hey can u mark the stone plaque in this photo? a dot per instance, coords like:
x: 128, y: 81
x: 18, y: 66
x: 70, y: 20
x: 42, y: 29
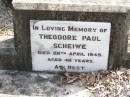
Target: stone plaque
x: 69, y: 45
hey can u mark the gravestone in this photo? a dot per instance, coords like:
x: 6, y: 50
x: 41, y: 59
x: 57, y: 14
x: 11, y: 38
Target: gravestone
x: 67, y: 35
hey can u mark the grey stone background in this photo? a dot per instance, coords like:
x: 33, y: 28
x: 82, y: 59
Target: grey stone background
x: 6, y: 28
x: 19, y: 84
x: 5, y: 15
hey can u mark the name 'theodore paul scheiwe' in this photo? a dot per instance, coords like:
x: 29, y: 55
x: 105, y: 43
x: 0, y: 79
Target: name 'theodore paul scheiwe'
x: 64, y: 36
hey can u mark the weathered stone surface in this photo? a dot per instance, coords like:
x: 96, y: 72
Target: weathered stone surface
x: 74, y: 5
x: 114, y: 11
x: 7, y: 50
x: 18, y: 84
x: 41, y: 84
x: 5, y: 15
x: 118, y: 43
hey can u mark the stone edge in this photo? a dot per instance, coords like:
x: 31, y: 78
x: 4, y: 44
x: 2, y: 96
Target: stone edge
x: 71, y: 7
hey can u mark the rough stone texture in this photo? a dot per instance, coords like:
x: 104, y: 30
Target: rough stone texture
x: 7, y: 95
x: 8, y: 3
x: 74, y: 5
x: 41, y: 84
x: 118, y: 43
x: 38, y: 85
x: 7, y: 50
x: 5, y: 15
x: 21, y: 60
